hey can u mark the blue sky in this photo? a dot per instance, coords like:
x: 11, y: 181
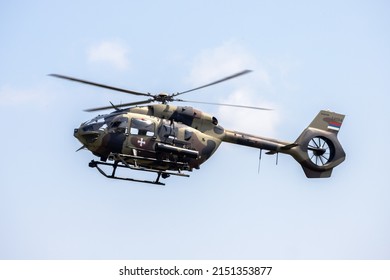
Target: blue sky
x: 306, y: 56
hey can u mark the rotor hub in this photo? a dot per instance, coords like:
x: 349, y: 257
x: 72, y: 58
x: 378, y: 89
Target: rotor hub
x: 163, y: 97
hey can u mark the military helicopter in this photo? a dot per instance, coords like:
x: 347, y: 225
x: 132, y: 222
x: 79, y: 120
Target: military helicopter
x: 174, y: 140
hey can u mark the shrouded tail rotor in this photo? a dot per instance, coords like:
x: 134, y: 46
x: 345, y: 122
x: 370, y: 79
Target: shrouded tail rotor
x: 320, y: 150
x: 317, y: 149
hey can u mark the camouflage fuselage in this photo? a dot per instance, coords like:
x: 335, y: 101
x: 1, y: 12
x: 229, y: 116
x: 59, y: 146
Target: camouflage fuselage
x: 164, y: 133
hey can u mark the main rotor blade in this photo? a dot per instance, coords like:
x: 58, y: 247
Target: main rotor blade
x: 119, y: 106
x: 216, y: 82
x: 223, y: 104
x: 99, y: 85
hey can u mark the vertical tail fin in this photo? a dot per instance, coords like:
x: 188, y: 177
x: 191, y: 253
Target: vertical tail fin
x: 318, y: 150
x: 327, y: 121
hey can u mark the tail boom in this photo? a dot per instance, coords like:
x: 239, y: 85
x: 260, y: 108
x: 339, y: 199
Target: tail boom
x: 253, y: 141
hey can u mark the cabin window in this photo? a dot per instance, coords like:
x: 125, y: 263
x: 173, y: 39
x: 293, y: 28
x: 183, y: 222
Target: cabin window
x: 187, y: 134
x: 142, y: 127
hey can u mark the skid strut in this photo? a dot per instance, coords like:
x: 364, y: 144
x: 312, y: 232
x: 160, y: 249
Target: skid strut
x: 119, y: 161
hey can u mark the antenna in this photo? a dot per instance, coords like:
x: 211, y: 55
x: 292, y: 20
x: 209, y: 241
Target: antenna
x: 258, y: 167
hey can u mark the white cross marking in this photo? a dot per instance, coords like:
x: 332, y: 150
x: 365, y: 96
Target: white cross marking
x: 141, y: 142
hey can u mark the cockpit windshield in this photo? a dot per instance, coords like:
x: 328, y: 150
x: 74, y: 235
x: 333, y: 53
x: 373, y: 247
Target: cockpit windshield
x: 97, y: 119
x: 94, y: 124
x: 103, y: 122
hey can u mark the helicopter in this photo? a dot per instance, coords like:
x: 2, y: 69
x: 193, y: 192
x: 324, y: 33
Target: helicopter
x: 171, y: 140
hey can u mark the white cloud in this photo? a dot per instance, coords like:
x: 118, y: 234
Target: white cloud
x: 224, y: 60
x: 110, y: 53
x: 229, y: 58
x: 248, y: 120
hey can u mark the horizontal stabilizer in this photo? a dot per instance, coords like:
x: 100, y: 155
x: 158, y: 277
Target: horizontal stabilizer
x: 289, y: 146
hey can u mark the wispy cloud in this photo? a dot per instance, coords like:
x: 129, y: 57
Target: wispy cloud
x: 230, y: 58
x: 224, y: 60
x: 111, y: 53
x: 248, y: 120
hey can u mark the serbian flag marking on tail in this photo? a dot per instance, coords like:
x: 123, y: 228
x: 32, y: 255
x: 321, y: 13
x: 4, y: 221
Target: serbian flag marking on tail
x: 334, y: 125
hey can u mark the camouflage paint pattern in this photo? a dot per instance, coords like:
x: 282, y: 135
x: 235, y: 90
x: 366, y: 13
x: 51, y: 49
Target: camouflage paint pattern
x: 167, y: 137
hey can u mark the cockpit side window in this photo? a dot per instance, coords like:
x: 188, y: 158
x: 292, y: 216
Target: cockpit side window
x: 142, y: 127
x: 187, y: 134
x: 118, y: 124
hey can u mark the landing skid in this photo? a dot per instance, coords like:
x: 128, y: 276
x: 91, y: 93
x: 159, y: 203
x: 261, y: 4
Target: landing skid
x: 120, y: 162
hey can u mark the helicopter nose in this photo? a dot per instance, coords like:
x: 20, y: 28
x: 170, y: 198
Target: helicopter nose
x: 76, y: 134
x: 85, y: 136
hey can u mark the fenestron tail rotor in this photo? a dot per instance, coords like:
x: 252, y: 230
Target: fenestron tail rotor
x: 162, y: 97
x: 320, y: 150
